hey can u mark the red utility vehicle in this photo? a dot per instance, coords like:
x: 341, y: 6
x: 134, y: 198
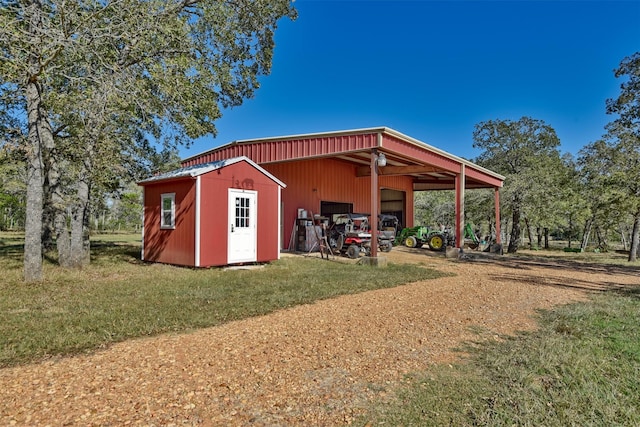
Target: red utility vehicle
x: 350, y: 235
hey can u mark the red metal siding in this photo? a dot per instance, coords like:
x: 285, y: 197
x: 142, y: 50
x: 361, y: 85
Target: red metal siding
x: 479, y: 175
x: 436, y: 159
x: 265, y: 151
x: 412, y: 151
x: 214, y: 220
x: 311, y: 181
x: 176, y: 246
x: 288, y: 149
x: 213, y: 217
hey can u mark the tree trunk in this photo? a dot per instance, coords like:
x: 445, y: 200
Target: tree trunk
x: 63, y: 239
x: 546, y: 238
x: 585, y: 234
x: 635, y: 239
x: 79, y: 227
x: 35, y: 180
x: 570, y: 228
x: 602, y: 240
x: 514, y: 241
x: 48, y: 229
x: 623, y: 239
x: 77, y: 241
x: 58, y: 208
x: 539, y: 233
x: 39, y: 140
x: 529, y: 235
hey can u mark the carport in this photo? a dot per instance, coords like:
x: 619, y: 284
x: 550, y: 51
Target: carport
x: 353, y: 166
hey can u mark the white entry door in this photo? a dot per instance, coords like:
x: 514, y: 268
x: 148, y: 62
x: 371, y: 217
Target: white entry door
x: 242, y: 246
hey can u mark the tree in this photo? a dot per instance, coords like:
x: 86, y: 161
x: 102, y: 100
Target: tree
x: 595, y: 167
x: 479, y: 209
x: 624, y: 136
x: 434, y: 208
x: 550, y: 198
x: 12, y: 190
x: 522, y: 151
x: 96, y: 78
x: 572, y: 203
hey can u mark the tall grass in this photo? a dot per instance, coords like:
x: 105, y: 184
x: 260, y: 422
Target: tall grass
x: 581, y: 368
x: 119, y: 297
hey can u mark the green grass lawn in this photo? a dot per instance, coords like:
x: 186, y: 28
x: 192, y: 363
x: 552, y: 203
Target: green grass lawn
x: 119, y: 297
x: 581, y: 368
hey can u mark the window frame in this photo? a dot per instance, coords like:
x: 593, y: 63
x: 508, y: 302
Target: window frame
x: 172, y: 211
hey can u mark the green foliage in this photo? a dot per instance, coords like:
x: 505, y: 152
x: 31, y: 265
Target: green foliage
x: 526, y: 153
x: 12, y: 191
x: 627, y: 105
x: 117, y: 297
x: 479, y: 207
x: 513, y: 147
x: 580, y: 368
x: 163, y: 68
x: 610, y: 167
x: 434, y: 208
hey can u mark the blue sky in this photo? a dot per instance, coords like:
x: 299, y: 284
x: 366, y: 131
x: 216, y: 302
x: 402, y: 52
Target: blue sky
x: 434, y: 69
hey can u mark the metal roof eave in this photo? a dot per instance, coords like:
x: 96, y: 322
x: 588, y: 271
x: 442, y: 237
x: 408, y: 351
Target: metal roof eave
x: 443, y: 153
x: 379, y: 130
x: 194, y: 171
x: 290, y: 137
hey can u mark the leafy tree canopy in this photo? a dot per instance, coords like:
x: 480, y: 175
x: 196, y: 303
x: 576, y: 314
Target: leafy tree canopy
x: 526, y: 153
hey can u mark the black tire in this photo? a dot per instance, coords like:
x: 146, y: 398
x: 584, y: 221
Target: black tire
x: 353, y: 251
x: 340, y: 242
x: 386, y: 246
x: 436, y: 242
x: 411, y: 242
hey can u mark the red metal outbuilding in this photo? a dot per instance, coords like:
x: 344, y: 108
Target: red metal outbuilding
x: 212, y: 214
x: 374, y: 170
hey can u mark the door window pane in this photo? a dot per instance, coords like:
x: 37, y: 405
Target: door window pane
x: 242, y: 212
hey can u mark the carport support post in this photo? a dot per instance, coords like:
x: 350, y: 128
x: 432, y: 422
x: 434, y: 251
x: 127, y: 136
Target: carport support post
x: 459, y: 226
x: 460, y: 184
x: 496, y: 198
x: 374, y: 204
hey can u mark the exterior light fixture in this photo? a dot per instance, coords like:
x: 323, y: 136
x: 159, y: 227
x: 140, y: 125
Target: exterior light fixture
x: 382, y: 160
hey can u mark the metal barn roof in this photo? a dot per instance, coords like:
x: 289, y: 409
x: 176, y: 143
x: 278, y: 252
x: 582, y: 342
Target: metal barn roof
x: 200, y: 169
x: 431, y: 168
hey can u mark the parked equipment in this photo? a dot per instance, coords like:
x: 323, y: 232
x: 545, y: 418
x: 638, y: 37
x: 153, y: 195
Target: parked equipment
x: 436, y: 239
x: 350, y: 235
x: 388, y: 226
x: 416, y: 237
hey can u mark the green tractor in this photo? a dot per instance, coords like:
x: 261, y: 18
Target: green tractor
x: 436, y: 239
x: 416, y: 237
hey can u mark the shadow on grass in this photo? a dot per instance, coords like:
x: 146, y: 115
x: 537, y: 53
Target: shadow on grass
x: 12, y: 250
x: 529, y: 261
x: 611, y: 271
x: 114, y: 250
x: 99, y: 250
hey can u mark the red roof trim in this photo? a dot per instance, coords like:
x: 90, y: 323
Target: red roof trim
x: 340, y: 143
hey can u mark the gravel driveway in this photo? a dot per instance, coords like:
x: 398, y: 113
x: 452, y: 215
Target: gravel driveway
x: 317, y: 364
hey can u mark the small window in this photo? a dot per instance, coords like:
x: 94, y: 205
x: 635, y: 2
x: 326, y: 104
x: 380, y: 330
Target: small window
x: 168, y: 210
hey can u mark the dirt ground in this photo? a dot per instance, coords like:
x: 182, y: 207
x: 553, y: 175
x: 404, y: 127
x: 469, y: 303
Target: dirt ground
x: 317, y: 364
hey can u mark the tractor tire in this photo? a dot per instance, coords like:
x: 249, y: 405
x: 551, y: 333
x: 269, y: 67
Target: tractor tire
x: 411, y: 242
x: 386, y: 247
x: 353, y: 251
x: 340, y: 243
x: 436, y: 242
